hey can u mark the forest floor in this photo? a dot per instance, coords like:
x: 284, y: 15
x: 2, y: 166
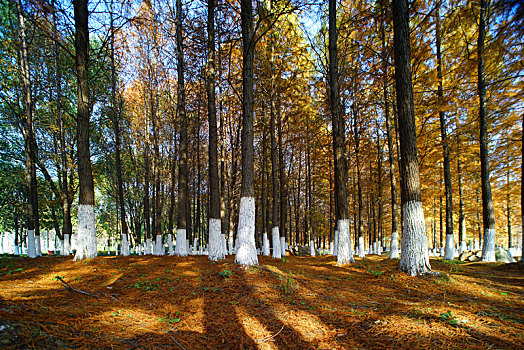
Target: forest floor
x: 149, y: 302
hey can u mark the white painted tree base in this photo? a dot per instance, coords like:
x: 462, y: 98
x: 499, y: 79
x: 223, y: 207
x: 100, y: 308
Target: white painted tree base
x: 344, y: 253
x: 361, y: 249
x: 335, y: 243
x: 265, y: 245
x: 159, y: 245
x: 224, y: 244
x: 449, y: 251
x: 312, y: 248
x: 246, y: 254
x: 462, y: 247
x: 125, y: 245
x: 38, y: 246
x: 331, y: 248
x: 148, y: 247
x: 216, y: 246
x: 488, y: 246
x: 17, y: 250
x: 231, y: 246
x: 86, y: 238
x: 275, y: 235
x: 182, y: 245
x: 283, y: 246
x: 31, y: 247
x: 171, y: 252
x: 414, y: 259
x: 393, y: 250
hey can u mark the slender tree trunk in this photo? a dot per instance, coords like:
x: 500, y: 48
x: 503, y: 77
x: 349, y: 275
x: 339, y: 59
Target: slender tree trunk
x: 30, y: 150
x: 308, y: 182
x: 283, y: 189
x: 522, y: 189
x: 86, y: 243
x: 344, y: 254
x: 181, y: 248
x: 216, y: 240
x: 116, y: 126
x: 246, y: 250
x: 462, y: 217
x: 450, y: 242
x: 275, y: 211
x: 380, y: 205
x: 488, y: 212
x: 414, y: 258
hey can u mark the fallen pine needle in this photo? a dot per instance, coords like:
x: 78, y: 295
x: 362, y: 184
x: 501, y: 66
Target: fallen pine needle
x: 177, y: 343
x: 270, y: 337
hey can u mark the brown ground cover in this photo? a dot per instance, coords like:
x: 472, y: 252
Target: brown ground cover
x: 147, y: 302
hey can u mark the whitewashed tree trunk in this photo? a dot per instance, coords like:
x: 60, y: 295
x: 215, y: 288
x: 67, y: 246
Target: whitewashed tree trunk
x: 463, y: 247
x: 476, y: 244
x: 17, y: 250
x: 265, y: 245
x: 170, y: 244
x: 38, y: 246
x: 31, y: 247
x: 246, y: 254
x: 86, y: 238
x: 216, y: 247
x: 361, y: 248
x: 344, y: 253
x: 125, y: 245
x: 195, y: 246
x: 224, y: 244
x: 312, y: 248
x: 449, y: 251
x: 335, y: 244
x: 379, y: 248
x: 414, y: 259
x: 159, y: 246
x: 488, y: 246
x: 277, y: 252
x: 231, y: 246
x: 182, y: 245
x: 148, y: 247
x: 375, y: 248
x: 331, y: 248
x: 62, y: 250
x: 393, y: 249
x: 283, y: 246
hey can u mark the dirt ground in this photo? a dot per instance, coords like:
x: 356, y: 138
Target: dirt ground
x: 149, y: 302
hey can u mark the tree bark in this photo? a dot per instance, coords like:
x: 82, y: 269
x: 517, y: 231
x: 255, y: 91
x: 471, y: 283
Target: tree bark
x: 246, y: 251
x: 450, y: 243
x: 181, y: 248
x: 344, y: 254
x: 30, y: 149
x: 488, y: 212
x: 86, y: 247
x: 414, y: 259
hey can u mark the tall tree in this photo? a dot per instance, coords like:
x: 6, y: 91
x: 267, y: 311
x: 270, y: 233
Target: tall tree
x: 246, y: 251
x: 86, y: 243
x: 181, y: 248
x: 415, y: 258
x: 488, y: 211
x: 449, y: 253
x: 344, y: 253
x: 216, y: 239
x: 30, y: 150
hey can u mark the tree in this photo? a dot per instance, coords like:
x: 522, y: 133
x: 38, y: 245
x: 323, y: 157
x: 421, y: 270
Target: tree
x: 488, y: 211
x: 216, y: 239
x: 414, y: 259
x: 246, y: 251
x: 344, y: 253
x: 86, y: 242
x: 450, y: 242
x: 181, y: 247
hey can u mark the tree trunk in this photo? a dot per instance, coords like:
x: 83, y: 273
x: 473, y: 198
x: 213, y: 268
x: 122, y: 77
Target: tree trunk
x: 462, y: 217
x: 246, y: 250
x: 181, y: 248
x: 488, y: 212
x: 86, y: 242
x: 414, y: 258
x: 216, y: 243
x: 30, y: 150
x: 450, y: 241
x: 275, y: 211
x: 344, y: 254
x: 283, y: 190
